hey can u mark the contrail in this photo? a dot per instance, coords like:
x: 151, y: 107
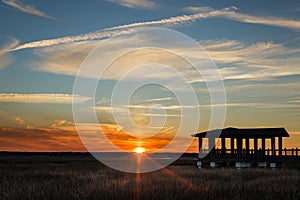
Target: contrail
x: 228, y: 13
x: 119, y: 30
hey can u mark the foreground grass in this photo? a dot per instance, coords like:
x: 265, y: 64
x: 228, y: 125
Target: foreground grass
x: 84, y: 178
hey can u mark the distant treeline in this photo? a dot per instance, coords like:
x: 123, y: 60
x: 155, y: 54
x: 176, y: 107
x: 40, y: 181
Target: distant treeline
x: 67, y: 154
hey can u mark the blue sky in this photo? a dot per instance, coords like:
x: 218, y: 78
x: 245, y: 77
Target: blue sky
x: 42, y: 44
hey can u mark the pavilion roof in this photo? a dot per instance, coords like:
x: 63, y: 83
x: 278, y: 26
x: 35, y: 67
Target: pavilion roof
x: 246, y: 132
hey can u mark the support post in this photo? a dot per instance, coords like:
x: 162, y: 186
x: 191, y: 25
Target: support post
x: 239, y: 145
x: 211, y: 144
x: 247, y: 146
x: 239, y: 148
x: 223, y: 143
x: 280, y: 146
x: 232, y: 145
x: 199, y: 162
x: 263, y: 146
x: 273, y: 146
x: 199, y: 144
x: 255, y: 146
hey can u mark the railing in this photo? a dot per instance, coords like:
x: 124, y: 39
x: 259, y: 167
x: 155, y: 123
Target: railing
x: 294, y: 152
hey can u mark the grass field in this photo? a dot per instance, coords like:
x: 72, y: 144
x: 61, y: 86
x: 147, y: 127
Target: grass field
x: 85, y: 178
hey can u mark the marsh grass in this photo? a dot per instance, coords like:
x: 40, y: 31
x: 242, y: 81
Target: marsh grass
x: 85, y: 178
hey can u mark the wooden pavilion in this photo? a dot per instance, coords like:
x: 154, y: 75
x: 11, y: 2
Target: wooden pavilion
x: 235, y: 147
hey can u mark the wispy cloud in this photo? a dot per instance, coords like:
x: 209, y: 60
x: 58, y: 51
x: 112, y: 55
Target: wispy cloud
x: 160, y: 107
x: 264, y: 105
x: 194, y: 9
x: 295, y: 101
x: 50, y: 139
x: 203, y: 13
x: 103, y: 101
x: 63, y: 59
x: 261, y: 60
x: 235, y: 59
x: 6, y: 59
x: 41, y: 98
x: 159, y: 99
x: 7, y: 118
x: 66, y: 59
x: 232, y: 14
x: 19, y: 120
x: 120, y: 30
x: 58, y: 122
x: 39, y: 139
x: 27, y: 9
x: 135, y: 3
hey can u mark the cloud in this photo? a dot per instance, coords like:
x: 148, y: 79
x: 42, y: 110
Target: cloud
x: 295, y: 101
x: 19, y: 120
x: 135, y: 3
x: 63, y: 59
x: 27, y: 9
x: 159, y: 99
x: 255, y: 61
x: 39, y: 139
x: 194, y: 9
x: 5, y: 58
x: 232, y: 14
x: 160, y: 107
x: 119, y: 30
x: 29, y: 127
x: 66, y: 59
x: 205, y: 12
x: 103, y: 101
x: 41, y: 98
x: 235, y: 60
x: 265, y: 105
x: 161, y: 115
x: 63, y: 138
x: 56, y: 123
x: 7, y: 118
x: 107, y: 109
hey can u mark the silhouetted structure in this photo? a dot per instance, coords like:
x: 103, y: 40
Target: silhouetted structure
x: 239, y: 154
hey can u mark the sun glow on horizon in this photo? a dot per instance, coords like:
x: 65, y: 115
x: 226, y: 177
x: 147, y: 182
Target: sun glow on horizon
x: 139, y: 150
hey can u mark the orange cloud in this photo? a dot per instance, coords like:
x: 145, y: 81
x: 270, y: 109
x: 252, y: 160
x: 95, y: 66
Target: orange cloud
x: 56, y: 123
x: 39, y: 139
x: 19, y: 120
x: 63, y: 137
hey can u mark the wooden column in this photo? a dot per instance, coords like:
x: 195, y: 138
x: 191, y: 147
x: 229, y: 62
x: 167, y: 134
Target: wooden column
x: 255, y: 146
x: 280, y: 145
x: 211, y: 144
x: 263, y: 146
x: 200, y: 152
x: 199, y: 144
x: 232, y: 145
x: 223, y: 143
x: 247, y: 146
x: 239, y: 148
x: 273, y: 146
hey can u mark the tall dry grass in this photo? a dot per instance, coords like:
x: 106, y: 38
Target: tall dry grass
x: 84, y: 178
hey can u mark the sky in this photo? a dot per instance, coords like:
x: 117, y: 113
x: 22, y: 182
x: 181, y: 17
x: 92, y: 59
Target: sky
x: 255, y: 46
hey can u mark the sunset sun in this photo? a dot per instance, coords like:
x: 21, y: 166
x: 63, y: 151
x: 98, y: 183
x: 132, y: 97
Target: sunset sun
x: 139, y: 150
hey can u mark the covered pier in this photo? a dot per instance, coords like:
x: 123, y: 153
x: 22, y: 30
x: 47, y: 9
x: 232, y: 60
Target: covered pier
x: 242, y: 148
